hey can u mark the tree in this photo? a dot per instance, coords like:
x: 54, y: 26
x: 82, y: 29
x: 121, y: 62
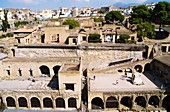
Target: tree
x: 94, y: 38
x: 161, y: 13
x: 72, y: 23
x: 123, y: 38
x: 114, y: 15
x: 98, y: 19
x: 140, y: 14
x: 5, y: 24
x: 102, y: 11
x: 145, y: 29
x: 20, y: 23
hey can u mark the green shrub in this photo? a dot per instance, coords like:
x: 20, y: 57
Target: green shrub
x: 9, y: 35
x: 94, y: 38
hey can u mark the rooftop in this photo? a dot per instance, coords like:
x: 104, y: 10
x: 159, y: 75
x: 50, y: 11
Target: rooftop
x: 25, y: 84
x: 47, y: 59
x: 164, y: 59
x: 123, y: 83
x: 27, y: 30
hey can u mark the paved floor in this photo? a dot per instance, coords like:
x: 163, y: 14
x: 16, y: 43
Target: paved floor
x: 119, y: 82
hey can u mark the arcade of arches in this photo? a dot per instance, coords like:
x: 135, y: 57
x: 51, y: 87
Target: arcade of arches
x: 130, y: 102
x: 35, y: 102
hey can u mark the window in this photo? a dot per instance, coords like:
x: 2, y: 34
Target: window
x: 58, y: 36
x: 19, y: 41
x: 53, y: 37
x: 74, y: 41
x: 84, y: 38
x: 163, y: 48
x: 20, y: 74
x: 69, y: 86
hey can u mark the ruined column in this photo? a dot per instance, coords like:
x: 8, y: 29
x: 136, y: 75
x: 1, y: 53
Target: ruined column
x: 147, y: 100
x: 41, y: 103
x: 161, y: 101
x: 119, y: 99
x: 133, y: 101
x: 54, y: 103
x: 16, y: 103
x: 28, y: 103
x: 66, y: 103
x: 167, y: 49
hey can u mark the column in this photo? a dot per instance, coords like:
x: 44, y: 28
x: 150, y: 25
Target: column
x: 4, y: 101
x: 103, y: 38
x: 113, y: 39
x: 66, y: 103
x: 167, y: 49
x: 119, y: 104
x: 161, y: 101
x: 16, y: 103
x: 78, y: 102
x: 54, y: 103
x: 41, y: 103
x: 29, y: 103
x: 89, y: 104
x: 133, y: 101
x: 147, y: 100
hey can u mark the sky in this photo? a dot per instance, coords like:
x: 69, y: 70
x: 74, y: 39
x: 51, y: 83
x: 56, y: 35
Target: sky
x: 55, y: 4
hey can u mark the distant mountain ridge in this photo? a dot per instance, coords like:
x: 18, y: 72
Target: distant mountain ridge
x: 123, y: 5
x: 151, y: 1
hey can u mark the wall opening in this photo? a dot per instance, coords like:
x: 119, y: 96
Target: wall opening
x: 111, y: 102
x: 45, y: 71
x: 72, y: 103
x: 60, y: 103
x: 69, y: 87
x: 126, y: 101
x: 20, y: 72
x: 140, y: 100
x: 10, y: 102
x: 35, y: 102
x: 43, y: 38
x: 8, y: 72
x: 154, y: 101
x: 1, y: 102
x: 13, y: 52
x: 22, y: 102
x: 56, y: 69
x: 47, y: 102
x: 138, y: 68
x: 163, y: 48
x: 97, y: 103
x: 31, y: 72
x: 147, y: 67
x: 166, y: 103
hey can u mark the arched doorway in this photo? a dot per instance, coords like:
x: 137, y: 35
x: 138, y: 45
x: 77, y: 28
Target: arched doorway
x: 147, y: 67
x: 126, y: 101
x: 22, y: 102
x: 47, y: 102
x: 166, y: 103
x: 111, y: 102
x: 97, y: 103
x: 72, y: 103
x: 154, y: 101
x: 138, y: 68
x: 45, y: 71
x: 35, y: 102
x: 140, y: 100
x: 10, y: 102
x: 1, y: 101
x: 56, y: 69
x: 60, y: 103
